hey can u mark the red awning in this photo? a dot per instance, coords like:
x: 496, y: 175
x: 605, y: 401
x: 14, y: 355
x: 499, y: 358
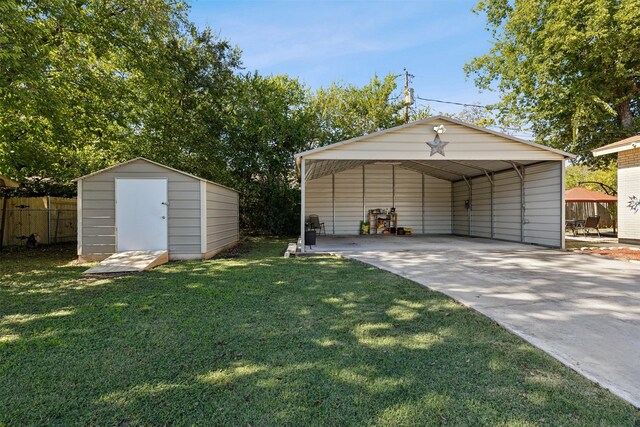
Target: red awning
x: 579, y: 194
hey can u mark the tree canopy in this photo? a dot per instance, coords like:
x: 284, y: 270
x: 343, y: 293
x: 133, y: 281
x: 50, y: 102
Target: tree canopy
x: 85, y: 84
x: 569, y: 69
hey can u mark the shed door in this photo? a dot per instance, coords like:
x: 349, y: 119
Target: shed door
x: 141, y: 214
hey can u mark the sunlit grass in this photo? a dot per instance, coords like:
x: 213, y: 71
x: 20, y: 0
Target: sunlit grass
x: 261, y: 340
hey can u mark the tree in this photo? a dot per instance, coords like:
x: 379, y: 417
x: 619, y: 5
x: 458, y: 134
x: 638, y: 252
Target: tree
x: 270, y: 120
x: 346, y: 111
x: 570, y: 69
x: 476, y: 115
x: 87, y: 83
x: 575, y: 174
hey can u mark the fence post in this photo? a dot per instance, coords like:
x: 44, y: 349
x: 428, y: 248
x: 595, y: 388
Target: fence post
x: 48, y: 220
x: 3, y: 220
x: 55, y: 238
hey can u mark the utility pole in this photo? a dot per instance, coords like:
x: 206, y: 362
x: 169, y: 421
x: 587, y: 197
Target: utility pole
x: 408, y: 95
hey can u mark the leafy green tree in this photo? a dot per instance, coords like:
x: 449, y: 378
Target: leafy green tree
x: 570, y: 69
x: 576, y: 174
x: 184, y: 101
x: 87, y: 83
x: 345, y: 111
x: 476, y: 115
x: 270, y: 120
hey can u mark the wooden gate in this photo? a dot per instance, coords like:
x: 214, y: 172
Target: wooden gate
x: 50, y: 219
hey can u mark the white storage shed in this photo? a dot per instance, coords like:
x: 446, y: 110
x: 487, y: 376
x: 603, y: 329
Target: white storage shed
x: 141, y: 205
x: 441, y: 176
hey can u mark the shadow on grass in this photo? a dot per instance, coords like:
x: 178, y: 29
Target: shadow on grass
x: 265, y: 341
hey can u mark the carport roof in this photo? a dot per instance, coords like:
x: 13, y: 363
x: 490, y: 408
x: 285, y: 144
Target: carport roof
x: 470, y: 151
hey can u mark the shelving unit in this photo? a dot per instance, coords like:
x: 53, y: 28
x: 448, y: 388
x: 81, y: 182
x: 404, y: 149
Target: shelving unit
x: 379, y: 222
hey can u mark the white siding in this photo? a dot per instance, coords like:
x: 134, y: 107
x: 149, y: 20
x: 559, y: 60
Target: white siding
x: 543, y: 204
x: 628, y: 186
x: 408, y: 195
x: 481, y: 207
x: 460, y: 213
x: 437, y: 206
x: 222, y: 218
x: 348, y: 197
x: 506, y: 206
x: 319, y: 201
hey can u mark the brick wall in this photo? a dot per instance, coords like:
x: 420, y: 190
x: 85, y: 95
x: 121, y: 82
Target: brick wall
x: 628, y: 185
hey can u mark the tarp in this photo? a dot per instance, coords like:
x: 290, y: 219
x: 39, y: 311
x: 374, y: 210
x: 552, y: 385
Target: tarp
x: 579, y: 194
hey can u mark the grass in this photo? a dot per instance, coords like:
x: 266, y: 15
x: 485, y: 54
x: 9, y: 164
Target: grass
x: 260, y: 340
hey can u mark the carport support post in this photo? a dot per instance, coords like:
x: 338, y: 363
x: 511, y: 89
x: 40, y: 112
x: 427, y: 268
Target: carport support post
x: 303, y: 171
x: 520, y: 172
x: 563, y: 212
x: 470, y: 201
x: 490, y: 178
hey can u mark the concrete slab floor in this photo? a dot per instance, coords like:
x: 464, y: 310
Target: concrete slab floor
x: 581, y: 309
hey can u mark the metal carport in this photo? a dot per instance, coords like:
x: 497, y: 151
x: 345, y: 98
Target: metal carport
x: 474, y: 182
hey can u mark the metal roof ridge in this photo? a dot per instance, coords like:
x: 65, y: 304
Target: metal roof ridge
x: 427, y: 120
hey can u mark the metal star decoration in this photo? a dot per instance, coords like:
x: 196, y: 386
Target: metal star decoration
x: 437, y: 146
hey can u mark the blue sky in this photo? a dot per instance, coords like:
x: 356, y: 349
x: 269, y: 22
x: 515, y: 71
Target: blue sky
x: 325, y: 41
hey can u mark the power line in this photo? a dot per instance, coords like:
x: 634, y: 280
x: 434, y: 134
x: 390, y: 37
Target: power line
x: 456, y: 103
x: 518, y: 131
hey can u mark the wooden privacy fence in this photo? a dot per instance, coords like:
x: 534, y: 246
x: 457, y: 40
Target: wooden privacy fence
x: 582, y: 210
x: 50, y: 219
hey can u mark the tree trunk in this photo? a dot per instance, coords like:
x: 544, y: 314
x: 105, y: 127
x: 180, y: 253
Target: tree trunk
x: 625, y: 116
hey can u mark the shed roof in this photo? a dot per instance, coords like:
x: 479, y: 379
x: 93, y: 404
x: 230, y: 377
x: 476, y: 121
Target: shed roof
x: 622, y: 145
x: 154, y: 163
x: 471, y: 151
x: 580, y: 194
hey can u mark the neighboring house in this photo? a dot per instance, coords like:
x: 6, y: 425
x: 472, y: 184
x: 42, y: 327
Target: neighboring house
x: 628, y: 186
x: 440, y: 176
x: 141, y: 205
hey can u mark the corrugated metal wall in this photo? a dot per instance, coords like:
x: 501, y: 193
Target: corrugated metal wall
x: 542, y: 186
x: 222, y: 218
x: 481, y: 212
x: 348, y: 200
x: 444, y: 210
x: 543, y: 199
x: 319, y: 200
x: 408, y: 191
x: 379, y: 181
x: 437, y: 206
x: 378, y: 184
x: 459, y: 194
x: 506, y: 206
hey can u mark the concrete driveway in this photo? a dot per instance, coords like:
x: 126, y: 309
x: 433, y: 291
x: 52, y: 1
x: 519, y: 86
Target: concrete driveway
x: 584, y: 310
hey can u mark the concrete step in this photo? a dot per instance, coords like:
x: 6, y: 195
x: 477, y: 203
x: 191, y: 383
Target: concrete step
x: 130, y: 261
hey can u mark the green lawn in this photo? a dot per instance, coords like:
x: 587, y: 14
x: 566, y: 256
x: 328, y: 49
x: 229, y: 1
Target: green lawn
x: 260, y: 340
